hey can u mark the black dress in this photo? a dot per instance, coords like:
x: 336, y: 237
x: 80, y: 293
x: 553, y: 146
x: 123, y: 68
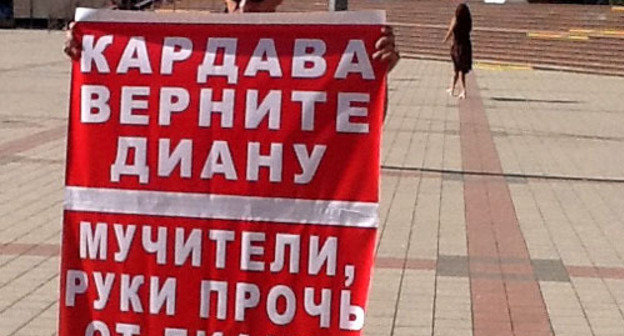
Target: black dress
x: 461, y: 51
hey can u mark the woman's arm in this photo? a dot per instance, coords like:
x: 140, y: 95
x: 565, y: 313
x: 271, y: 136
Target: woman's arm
x: 450, y: 30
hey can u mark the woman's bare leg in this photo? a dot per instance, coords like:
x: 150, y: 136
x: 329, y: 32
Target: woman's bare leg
x: 451, y: 89
x: 462, y: 94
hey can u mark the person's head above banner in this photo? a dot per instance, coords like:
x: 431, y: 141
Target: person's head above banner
x: 251, y: 6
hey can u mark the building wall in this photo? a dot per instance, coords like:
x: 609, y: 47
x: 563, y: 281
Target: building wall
x: 52, y: 9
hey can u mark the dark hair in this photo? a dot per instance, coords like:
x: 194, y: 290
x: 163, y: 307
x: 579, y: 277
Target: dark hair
x: 463, y: 18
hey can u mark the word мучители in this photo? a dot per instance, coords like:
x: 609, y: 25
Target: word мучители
x: 200, y: 248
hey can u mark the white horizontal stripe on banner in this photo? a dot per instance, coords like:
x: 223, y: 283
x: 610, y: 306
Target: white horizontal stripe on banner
x: 371, y: 17
x: 211, y: 206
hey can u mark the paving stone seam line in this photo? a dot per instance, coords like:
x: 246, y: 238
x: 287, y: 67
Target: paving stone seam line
x: 12, y: 244
x: 573, y: 271
x: 618, y: 214
x: 25, y: 324
x: 605, y: 236
x: 576, y: 295
x: 436, y: 277
x: 25, y: 181
x: 573, y: 190
x: 497, y: 285
x: 532, y: 273
x: 403, y: 267
x: 588, y: 211
x: 578, y: 271
x: 37, y: 120
x: 613, y: 213
x: 511, y: 133
x: 32, y: 66
x: 597, y: 221
x: 429, y: 133
x: 565, y: 212
x: 531, y: 66
x: 410, y: 233
x: 440, y: 203
x: 586, y: 250
x: 54, y: 205
x: 29, y: 160
x: 381, y: 232
x: 25, y: 194
x: 54, y: 277
x: 499, y: 305
x: 389, y: 121
x: 382, y: 229
x: 33, y: 290
x: 549, y: 231
x: 522, y: 240
x: 21, y: 274
x: 40, y: 250
x: 31, y: 141
x: 497, y: 174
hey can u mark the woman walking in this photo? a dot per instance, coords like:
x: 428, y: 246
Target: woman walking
x: 461, y: 51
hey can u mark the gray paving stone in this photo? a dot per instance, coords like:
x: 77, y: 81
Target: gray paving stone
x: 550, y: 270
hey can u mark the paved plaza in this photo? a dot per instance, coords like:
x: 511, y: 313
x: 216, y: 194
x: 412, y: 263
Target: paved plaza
x: 502, y: 214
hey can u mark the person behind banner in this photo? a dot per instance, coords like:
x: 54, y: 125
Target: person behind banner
x: 385, y: 46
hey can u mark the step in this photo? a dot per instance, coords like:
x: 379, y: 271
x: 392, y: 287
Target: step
x: 573, y: 47
x: 604, y: 68
x: 589, y: 48
x: 525, y: 54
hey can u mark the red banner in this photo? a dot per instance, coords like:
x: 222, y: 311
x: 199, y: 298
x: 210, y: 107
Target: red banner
x: 222, y: 174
